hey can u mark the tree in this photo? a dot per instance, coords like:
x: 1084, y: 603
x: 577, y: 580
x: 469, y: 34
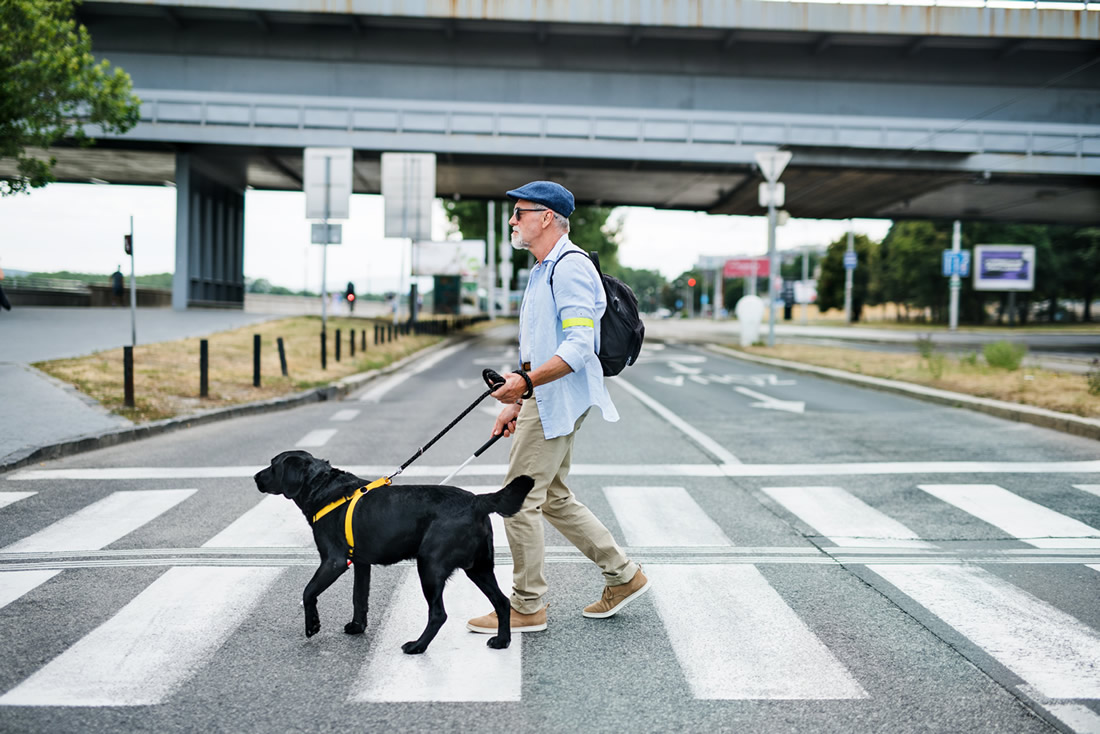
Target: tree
x: 1081, y: 266
x: 51, y: 87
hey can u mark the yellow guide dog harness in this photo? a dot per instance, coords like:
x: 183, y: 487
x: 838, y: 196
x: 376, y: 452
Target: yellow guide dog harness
x: 351, y: 500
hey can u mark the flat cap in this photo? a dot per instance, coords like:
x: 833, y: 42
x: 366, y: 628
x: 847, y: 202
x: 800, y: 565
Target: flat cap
x: 549, y: 194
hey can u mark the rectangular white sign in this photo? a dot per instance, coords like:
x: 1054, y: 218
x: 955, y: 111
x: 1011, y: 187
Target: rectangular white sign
x: 1004, y: 268
x: 452, y: 257
x: 331, y: 201
x: 408, y: 187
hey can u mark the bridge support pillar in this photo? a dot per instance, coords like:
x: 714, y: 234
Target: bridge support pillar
x: 209, y: 231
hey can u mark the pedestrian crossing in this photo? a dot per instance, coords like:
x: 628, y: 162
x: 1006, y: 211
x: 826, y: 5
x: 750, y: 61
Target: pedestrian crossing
x: 735, y: 636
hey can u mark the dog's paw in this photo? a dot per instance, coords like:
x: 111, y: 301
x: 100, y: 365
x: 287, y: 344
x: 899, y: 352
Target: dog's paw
x: 413, y: 647
x: 498, y: 643
x: 354, y: 628
x: 313, y: 623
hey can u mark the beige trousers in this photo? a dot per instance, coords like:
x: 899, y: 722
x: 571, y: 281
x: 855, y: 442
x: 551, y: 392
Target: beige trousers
x: 548, y: 461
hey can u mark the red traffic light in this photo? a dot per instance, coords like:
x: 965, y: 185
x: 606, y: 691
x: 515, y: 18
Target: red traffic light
x: 351, y: 296
x: 691, y: 282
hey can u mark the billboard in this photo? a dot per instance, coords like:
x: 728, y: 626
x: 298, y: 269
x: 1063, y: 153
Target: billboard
x: 747, y: 267
x: 1004, y: 268
x: 451, y: 257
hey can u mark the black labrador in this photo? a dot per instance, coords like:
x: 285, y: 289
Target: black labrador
x: 443, y: 528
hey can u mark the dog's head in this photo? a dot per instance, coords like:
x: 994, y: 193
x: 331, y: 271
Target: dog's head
x: 292, y: 473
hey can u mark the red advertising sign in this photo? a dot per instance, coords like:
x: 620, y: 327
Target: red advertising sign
x: 746, y: 267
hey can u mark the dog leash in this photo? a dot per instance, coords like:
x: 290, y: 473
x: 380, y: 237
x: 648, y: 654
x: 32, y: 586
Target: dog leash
x: 494, y: 381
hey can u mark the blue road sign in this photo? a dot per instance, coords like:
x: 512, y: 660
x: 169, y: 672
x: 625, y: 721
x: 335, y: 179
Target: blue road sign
x: 850, y: 260
x: 956, y: 263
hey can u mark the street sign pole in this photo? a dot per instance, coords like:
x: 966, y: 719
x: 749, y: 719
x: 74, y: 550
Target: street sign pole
x: 805, y: 285
x: 771, y: 164
x: 491, y: 241
x: 956, y: 283
x: 133, y: 289
x: 324, y: 248
x: 848, y: 273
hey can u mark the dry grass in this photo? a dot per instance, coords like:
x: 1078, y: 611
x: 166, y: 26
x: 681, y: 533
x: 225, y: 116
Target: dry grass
x: 1065, y: 393
x: 166, y: 375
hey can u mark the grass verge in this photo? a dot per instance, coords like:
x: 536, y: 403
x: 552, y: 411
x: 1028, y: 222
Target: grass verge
x: 166, y: 375
x: 968, y: 374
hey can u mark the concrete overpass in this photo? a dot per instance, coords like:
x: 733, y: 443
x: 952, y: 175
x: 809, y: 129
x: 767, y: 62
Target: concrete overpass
x: 890, y: 110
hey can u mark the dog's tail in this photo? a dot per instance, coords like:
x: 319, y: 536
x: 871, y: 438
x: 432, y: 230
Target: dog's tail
x: 508, y: 500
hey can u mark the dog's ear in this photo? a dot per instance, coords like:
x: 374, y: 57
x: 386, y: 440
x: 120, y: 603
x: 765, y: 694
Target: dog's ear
x: 296, y: 472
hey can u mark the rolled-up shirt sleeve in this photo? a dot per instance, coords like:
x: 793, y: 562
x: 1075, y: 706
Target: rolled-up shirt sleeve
x: 575, y: 294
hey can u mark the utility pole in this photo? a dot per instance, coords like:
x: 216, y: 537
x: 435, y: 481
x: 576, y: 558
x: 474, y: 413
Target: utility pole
x: 133, y: 289
x: 849, y: 271
x: 805, y: 285
x: 956, y: 282
x: 491, y: 241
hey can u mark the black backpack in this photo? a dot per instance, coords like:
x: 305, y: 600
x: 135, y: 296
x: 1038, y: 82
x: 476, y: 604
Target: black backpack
x: 621, y: 329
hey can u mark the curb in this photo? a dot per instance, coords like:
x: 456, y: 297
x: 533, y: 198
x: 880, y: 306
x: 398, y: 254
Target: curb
x: 1064, y: 422
x: 333, y: 391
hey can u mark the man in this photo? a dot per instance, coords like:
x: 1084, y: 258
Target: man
x: 545, y: 402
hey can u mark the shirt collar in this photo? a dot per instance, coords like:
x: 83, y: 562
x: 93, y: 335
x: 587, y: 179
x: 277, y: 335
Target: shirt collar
x: 555, y: 251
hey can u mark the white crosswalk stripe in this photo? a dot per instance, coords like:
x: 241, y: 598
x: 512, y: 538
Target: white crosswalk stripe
x: 458, y: 666
x: 345, y: 415
x: 843, y: 518
x: 316, y: 439
x: 1023, y: 519
x: 9, y: 498
x: 778, y: 657
x: 90, y: 528
x: 135, y: 658
x: 1052, y: 651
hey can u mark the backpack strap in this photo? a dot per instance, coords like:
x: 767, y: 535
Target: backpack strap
x: 560, y: 257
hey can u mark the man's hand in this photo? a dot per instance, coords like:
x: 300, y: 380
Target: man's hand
x: 513, y: 389
x: 506, y: 421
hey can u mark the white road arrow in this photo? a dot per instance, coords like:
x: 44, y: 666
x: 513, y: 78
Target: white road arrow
x: 791, y: 406
x: 677, y: 381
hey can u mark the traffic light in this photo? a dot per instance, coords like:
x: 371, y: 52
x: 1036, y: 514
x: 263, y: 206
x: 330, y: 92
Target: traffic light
x: 691, y: 282
x: 128, y: 243
x: 350, y: 295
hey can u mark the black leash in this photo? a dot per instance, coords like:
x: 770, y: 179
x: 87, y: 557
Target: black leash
x: 493, y: 380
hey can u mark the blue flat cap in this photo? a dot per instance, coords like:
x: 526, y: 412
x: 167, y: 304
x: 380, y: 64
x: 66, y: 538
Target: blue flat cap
x: 549, y: 194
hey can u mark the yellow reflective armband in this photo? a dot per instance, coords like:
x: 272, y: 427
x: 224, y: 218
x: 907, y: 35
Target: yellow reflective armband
x: 568, y: 323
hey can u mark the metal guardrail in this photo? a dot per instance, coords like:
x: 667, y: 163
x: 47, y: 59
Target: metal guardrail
x: 472, y: 122
x: 999, y: 4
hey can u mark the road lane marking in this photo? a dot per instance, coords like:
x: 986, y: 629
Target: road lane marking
x: 777, y: 655
x: 345, y: 415
x: 102, y: 523
x: 769, y: 403
x: 663, y: 516
x: 154, y: 644
x: 707, y: 443
x: 14, y: 584
x: 1041, y: 644
x: 135, y: 658
x: 1028, y: 521
x: 1090, y: 488
x: 887, y: 468
x: 316, y: 439
x: 1052, y: 651
x: 458, y: 665
x: 379, y: 391
x: 10, y: 498
x: 844, y: 518
x: 740, y: 640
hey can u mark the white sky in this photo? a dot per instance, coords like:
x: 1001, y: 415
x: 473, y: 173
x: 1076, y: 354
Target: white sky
x: 79, y: 227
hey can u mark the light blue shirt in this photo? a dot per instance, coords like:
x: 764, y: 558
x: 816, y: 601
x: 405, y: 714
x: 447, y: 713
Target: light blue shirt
x: 566, y: 323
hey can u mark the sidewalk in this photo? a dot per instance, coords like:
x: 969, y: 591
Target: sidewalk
x: 41, y: 411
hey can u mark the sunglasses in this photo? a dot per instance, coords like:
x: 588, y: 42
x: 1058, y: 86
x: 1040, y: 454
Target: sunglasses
x: 518, y: 212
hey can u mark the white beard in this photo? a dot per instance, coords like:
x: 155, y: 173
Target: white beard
x: 518, y: 243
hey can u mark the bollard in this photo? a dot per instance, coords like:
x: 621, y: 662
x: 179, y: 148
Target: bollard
x: 128, y: 376
x: 336, y: 343
x: 363, y: 341
x: 389, y: 333
x: 376, y: 328
x: 255, y: 360
x: 204, y: 368
x: 282, y: 355
x: 324, y: 352
x: 351, y: 342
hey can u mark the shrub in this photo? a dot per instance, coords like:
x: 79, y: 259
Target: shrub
x: 1093, y: 377
x: 970, y: 359
x: 925, y: 346
x: 1004, y: 354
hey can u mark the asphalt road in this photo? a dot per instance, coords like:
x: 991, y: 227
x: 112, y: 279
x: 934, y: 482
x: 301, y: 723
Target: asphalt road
x: 823, y: 558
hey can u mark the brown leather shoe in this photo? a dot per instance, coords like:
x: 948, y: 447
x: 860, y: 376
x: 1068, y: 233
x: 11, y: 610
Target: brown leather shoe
x: 616, y: 597
x: 487, y: 625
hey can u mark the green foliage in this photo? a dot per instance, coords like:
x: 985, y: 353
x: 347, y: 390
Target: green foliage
x: 1004, y: 354
x: 831, y: 284
x: 925, y: 346
x: 970, y: 359
x: 935, y: 364
x: 51, y: 87
x: 1093, y: 377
